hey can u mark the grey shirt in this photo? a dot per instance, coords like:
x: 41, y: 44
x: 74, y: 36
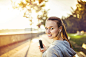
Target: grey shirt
x: 59, y: 49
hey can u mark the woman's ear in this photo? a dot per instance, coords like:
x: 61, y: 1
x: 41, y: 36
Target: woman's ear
x: 60, y: 28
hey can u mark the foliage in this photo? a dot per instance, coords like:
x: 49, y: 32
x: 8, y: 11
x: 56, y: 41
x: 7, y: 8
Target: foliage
x: 71, y: 24
x: 80, y: 13
x: 43, y: 17
x: 28, y: 6
x: 76, y: 21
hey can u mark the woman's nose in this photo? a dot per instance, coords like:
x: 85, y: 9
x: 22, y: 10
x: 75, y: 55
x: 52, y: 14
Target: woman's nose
x: 48, y: 31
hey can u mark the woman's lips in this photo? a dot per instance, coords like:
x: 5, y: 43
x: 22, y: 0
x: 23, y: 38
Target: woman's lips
x: 49, y: 35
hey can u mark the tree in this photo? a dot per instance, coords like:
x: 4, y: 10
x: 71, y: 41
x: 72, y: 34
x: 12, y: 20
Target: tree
x: 43, y: 17
x: 80, y: 11
x: 71, y: 24
x: 77, y: 20
x: 30, y: 6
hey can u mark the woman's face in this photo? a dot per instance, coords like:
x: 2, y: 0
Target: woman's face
x: 51, y: 29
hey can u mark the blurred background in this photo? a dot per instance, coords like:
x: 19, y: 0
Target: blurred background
x: 27, y: 16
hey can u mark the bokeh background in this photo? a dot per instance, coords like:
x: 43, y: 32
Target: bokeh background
x: 17, y: 16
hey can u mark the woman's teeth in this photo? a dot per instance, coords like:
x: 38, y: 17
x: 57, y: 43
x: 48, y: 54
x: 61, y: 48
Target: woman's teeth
x: 49, y: 35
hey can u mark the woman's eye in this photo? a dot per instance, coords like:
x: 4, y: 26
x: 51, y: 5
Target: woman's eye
x: 51, y: 28
x: 46, y: 28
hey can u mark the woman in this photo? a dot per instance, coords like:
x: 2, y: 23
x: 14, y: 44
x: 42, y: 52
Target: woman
x: 61, y: 46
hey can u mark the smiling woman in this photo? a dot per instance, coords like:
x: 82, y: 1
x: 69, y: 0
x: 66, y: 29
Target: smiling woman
x: 61, y: 46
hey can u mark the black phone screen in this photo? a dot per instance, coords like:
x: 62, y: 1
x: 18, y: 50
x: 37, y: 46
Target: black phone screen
x: 40, y: 42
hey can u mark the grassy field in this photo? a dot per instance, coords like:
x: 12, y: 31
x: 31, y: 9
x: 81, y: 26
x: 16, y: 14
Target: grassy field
x: 78, y: 40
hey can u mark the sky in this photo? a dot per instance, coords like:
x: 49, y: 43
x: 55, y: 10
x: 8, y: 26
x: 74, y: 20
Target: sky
x: 61, y: 8
x: 13, y: 19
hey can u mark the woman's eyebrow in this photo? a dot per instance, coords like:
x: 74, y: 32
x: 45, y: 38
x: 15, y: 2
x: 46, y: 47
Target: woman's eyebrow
x: 50, y: 26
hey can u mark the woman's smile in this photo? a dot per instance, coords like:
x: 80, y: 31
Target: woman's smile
x: 49, y: 35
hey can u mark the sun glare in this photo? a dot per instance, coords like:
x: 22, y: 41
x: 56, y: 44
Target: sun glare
x: 13, y: 18
x: 83, y: 0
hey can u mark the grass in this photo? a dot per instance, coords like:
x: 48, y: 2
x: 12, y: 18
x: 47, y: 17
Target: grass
x: 79, y: 40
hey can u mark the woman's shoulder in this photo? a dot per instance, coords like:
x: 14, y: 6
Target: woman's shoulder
x: 60, y: 48
x: 56, y: 44
x: 64, y: 48
x: 60, y: 43
x: 54, y: 49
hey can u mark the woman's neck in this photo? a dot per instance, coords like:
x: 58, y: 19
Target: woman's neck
x: 58, y: 38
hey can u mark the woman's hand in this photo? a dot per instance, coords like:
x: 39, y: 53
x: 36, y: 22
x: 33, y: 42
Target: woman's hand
x: 43, y: 49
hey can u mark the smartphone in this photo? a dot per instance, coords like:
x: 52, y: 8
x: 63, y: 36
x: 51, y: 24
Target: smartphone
x: 41, y: 45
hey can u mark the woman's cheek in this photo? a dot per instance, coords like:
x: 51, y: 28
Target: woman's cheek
x: 53, y: 31
x: 45, y: 32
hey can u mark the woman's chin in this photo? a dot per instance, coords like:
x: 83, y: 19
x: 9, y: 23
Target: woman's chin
x: 50, y: 37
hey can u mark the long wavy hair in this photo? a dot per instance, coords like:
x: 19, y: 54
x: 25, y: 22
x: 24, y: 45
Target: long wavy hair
x: 63, y: 32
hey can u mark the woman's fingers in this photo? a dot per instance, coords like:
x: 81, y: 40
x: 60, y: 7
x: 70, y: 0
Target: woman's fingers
x: 41, y: 50
x: 44, y: 48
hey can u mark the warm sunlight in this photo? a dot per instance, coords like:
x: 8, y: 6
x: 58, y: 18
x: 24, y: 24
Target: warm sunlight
x: 34, y: 19
x: 60, y: 8
x: 83, y: 0
x: 13, y: 18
